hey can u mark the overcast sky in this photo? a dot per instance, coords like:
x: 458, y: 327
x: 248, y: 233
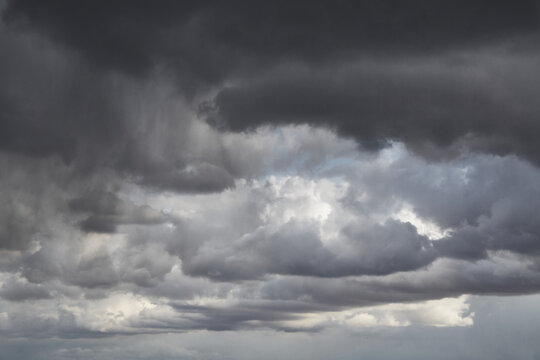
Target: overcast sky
x: 269, y: 179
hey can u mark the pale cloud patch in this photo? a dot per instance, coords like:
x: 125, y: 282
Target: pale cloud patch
x: 447, y: 312
x: 423, y: 226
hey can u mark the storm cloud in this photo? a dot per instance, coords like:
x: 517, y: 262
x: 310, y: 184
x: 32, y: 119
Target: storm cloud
x: 437, y: 74
x: 208, y: 169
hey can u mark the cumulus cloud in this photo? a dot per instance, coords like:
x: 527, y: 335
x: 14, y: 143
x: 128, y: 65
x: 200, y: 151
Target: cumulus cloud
x: 364, y: 167
x: 270, y: 251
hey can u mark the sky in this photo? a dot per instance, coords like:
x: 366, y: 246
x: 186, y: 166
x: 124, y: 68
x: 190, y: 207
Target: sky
x: 269, y: 179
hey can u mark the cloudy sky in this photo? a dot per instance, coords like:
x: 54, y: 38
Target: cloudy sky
x: 269, y: 179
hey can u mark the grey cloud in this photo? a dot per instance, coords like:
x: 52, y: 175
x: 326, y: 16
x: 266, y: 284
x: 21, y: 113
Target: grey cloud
x: 445, y: 278
x: 281, y: 298
x: 294, y: 249
x: 52, y: 104
x: 487, y: 203
x: 419, y: 104
x: 238, y: 245
x: 80, y: 113
x: 195, y: 178
x: 99, y: 132
x: 14, y: 290
x: 142, y: 262
x: 208, y: 41
x: 145, y: 262
x: 41, y: 266
x: 436, y: 105
x: 509, y: 226
x: 289, y: 250
x: 106, y: 210
x: 465, y: 244
x: 389, y: 248
x: 231, y: 318
x: 93, y: 270
x: 16, y: 232
x: 480, y: 102
x: 55, y: 105
x: 29, y: 198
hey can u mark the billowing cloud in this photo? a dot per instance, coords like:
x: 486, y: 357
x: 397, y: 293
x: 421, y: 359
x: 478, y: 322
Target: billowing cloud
x: 314, y: 170
x: 438, y: 106
x: 433, y: 75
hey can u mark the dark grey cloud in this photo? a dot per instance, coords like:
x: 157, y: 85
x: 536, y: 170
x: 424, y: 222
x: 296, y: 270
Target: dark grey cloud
x: 439, y: 106
x: 55, y: 105
x: 207, y: 41
x: 428, y: 106
x: 51, y: 104
x: 211, y: 43
x: 105, y: 211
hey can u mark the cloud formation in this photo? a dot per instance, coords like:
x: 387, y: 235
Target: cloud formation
x: 176, y: 167
x: 441, y: 75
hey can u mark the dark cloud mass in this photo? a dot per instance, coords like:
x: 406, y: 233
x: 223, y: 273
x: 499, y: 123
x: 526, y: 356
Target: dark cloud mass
x: 469, y: 104
x: 210, y: 38
x: 438, y: 84
x: 365, y: 167
x: 455, y: 95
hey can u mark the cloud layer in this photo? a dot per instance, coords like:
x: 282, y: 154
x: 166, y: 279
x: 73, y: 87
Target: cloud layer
x: 181, y: 167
